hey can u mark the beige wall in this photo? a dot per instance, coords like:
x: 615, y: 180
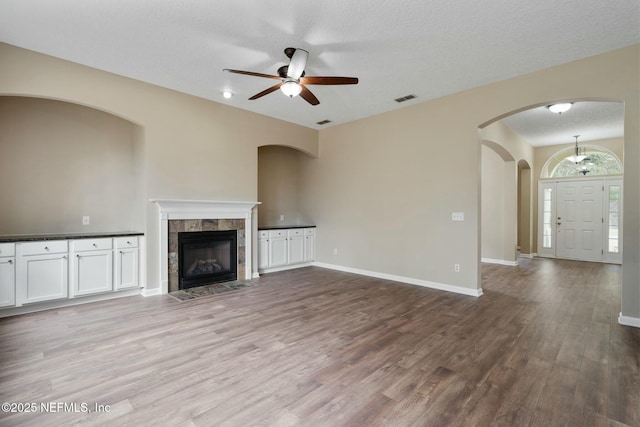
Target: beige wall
x: 190, y: 148
x: 62, y: 161
x: 278, y: 186
x: 383, y: 188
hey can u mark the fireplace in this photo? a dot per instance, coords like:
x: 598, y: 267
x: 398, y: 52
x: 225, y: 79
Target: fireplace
x: 206, y: 257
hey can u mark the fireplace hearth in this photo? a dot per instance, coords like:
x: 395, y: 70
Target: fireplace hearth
x: 206, y: 257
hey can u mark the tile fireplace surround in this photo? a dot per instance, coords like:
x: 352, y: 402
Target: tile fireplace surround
x: 195, y: 215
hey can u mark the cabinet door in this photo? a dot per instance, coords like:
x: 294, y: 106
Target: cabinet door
x: 296, y: 249
x: 263, y: 253
x: 126, y: 270
x: 277, y: 251
x: 309, y: 248
x: 7, y: 282
x: 92, y: 272
x: 43, y: 277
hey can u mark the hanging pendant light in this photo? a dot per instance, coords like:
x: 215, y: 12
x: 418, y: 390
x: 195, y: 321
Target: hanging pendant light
x: 579, y: 154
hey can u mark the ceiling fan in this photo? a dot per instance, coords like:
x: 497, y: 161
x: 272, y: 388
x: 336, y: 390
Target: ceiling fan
x: 293, y: 81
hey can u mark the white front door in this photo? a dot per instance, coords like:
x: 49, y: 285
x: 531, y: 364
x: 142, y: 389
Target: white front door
x: 580, y: 220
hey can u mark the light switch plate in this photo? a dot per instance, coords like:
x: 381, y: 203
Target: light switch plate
x: 457, y: 216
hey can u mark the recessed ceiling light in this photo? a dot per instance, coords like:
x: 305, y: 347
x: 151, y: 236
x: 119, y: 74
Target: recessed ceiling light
x: 227, y: 94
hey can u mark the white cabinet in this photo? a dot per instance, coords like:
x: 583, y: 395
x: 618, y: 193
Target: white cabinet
x: 7, y: 275
x: 280, y: 249
x: 296, y: 245
x: 91, y: 266
x: 263, y: 249
x: 42, y: 271
x: 126, y: 271
x: 309, y: 244
x: 57, y: 271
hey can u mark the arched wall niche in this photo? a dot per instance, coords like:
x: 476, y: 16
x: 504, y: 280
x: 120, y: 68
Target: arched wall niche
x: 69, y: 160
x: 279, y: 185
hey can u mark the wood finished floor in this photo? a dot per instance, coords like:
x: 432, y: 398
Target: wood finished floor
x: 315, y: 347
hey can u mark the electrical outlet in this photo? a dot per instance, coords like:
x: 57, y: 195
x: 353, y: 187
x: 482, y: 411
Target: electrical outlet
x: 457, y: 216
x: 456, y: 268
x: 86, y: 220
x: 281, y: 217
x: 335, y: 251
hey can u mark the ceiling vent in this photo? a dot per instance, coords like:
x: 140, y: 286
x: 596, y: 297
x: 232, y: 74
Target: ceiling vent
x: 324, y: 122
x: 405, y: 98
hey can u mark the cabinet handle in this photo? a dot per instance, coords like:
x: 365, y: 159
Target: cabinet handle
x: 128, y: 243
x: 10, y: 261
x: 78, y: 256
x: 121, y: 252
x: 65, y: 257
x: 46, y: 248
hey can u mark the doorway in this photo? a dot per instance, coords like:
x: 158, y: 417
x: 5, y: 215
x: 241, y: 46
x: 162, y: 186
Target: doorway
x: 581, y: 219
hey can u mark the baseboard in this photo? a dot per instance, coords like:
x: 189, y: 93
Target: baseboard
x: 403, y: 279
x: 285, y: 267
x: 151, y: 292
x: 629, y: 321
x: 255, y: 275
x: 499, y: 261
x: 52, y: 305
x: 528, y: 256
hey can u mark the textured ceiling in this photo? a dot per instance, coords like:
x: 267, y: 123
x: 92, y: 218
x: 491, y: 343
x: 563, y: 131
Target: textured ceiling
x: 395, y: 47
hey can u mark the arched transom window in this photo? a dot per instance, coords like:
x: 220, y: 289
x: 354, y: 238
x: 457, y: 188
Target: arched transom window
x: 598, y: 161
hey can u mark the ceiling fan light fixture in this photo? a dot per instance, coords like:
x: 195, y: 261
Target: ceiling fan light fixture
x: 560, y: 108
x: 291, y: 88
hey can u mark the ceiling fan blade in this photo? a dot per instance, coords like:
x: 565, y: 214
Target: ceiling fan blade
x: 251, y: 73
x: 313, y: 80
x: 308, y: 96
x: 297, y: 64
x: 266, y: 91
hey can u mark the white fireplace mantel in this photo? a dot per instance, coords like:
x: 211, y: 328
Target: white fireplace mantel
x: 172, y: 209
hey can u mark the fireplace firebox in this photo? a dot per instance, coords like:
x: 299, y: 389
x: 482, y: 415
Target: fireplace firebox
x: 206, y: 257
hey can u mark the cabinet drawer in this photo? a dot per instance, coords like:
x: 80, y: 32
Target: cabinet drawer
x: 310, y: 231
x: 44, y: 247
x: 296, y: 232
x: 263, y: 234
x: 127, y: 242
x: 7, y: 249
x: 92, y: 244
x: 277, y: 233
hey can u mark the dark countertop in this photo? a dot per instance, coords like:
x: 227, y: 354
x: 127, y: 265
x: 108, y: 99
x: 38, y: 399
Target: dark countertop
x: 64, y: 236
x: 283, y: 227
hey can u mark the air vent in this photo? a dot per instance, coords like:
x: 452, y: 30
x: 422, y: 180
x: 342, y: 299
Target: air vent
x: 405, y: 98
x: 324, y: 122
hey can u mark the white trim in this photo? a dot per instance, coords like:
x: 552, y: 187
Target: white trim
x: 528, y: 256
x: 403, y: 279
x: 41, y: 306
x: 285, y: 267
x: 170, y: 209
x: 629, y: 321
x: 150, y: 292
x: 499, y: 261
x: 256, y: 275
